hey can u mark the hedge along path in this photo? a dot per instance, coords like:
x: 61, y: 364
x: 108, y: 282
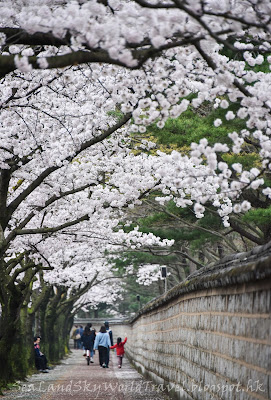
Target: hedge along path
x: 74, y: 379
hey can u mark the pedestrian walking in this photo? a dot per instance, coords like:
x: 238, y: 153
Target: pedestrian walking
x: 88, y: 325
x: 73, y: 336
x: 78, y: 333
x: 102, y: 344
x: 119, y: 346
x: 110, y: 333
x: 87, y: 340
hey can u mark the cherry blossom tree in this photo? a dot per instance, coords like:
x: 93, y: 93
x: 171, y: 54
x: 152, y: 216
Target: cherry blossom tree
x: 52, y: 181
x: 189, y: 46
x: 77, y: 78
x: 129, y: 33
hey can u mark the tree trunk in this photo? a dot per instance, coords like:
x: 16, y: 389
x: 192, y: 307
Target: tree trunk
x: 9, y: 335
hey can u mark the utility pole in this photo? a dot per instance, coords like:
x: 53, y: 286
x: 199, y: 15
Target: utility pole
x: 139, y: 302
x: 164, y: 276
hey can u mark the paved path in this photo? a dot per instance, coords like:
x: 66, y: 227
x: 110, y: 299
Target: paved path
x: 74, y: 379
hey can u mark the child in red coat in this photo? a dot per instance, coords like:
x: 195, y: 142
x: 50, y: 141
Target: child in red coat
x: 120, y: 350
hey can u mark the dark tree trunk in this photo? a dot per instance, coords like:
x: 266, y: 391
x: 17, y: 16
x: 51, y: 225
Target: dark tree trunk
x: 9, y: 335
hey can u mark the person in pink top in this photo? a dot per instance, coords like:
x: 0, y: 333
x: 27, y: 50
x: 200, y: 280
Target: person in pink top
x: 119, y: 346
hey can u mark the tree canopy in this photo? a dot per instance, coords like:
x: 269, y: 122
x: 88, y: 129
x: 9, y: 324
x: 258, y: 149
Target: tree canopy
x: 126, y: 127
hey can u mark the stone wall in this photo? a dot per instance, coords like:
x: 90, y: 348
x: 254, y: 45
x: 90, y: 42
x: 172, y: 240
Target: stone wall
x: 209, y: 337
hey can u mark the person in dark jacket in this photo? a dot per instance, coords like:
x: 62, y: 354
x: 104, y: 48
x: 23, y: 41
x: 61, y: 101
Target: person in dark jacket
x: 87, y: 340
x: 40, y: 359
x: 110, y: 333
x: 79, y: 333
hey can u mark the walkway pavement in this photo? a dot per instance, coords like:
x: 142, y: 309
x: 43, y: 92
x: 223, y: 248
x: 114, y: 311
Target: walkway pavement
x: 74, y: 379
